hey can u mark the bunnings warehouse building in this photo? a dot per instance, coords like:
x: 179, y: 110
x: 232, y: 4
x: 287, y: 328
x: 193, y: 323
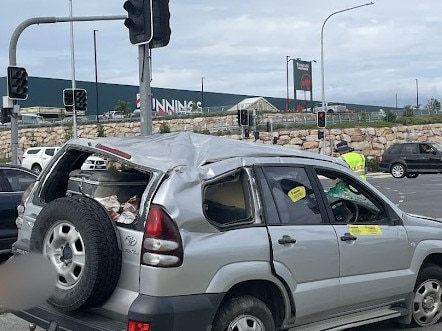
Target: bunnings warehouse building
x: 46, y: 94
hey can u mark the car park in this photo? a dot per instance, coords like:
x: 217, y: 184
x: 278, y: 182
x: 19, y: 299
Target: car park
x: 189, y: 232
x: 13, y: 182
x: 411, y: 159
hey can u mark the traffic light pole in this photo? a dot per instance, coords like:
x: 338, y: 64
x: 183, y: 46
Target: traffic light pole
x: 145, y: 90
x: 13, y: 60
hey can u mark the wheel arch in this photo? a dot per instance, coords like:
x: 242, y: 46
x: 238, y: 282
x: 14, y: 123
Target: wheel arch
x: 392, y: 163
x: 269, y: 293
x: 35, y: 163
x: 254, y: 279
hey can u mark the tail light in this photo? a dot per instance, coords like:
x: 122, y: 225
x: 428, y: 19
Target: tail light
x: 21, y: 207
x: 382, y: 158
x: 162, y: 244
x: 138, y: 326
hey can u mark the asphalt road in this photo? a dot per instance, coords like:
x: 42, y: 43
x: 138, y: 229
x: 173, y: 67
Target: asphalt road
x: 419, y: 196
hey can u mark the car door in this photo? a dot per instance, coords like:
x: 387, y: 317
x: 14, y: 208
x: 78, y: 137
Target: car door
x: 304, y: 244
x: 433, y: 158
x: 373, y: 243
x: 414, y: 160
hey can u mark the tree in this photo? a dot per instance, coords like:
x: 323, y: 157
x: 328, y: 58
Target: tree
x: 433, y: 105
x: 123, y: 106
x: 408, y: 111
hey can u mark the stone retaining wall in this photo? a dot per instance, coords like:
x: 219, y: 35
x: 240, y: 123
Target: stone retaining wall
x: 368, y: 140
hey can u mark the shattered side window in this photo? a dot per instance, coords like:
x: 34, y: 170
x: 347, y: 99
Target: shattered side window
x: 227, y: 200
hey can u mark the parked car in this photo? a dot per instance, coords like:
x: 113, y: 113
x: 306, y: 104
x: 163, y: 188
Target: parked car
x: 189, y: 232
x: 13, y: 182
x: 411, y: 159
x: 94, y: 163
x: 113, y: 114
x: 36, y: 158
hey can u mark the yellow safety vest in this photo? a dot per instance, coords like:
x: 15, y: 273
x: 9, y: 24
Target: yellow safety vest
x: 356, y: 162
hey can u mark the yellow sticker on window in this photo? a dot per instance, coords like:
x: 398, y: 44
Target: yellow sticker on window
x: 364, y: 230
x: 297, y: 193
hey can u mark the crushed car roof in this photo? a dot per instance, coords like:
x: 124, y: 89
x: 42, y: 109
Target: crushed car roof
x: 168, y: 150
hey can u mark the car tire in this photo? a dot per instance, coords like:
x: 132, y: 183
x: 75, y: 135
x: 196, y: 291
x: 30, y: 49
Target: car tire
x: 245, y: 310
x: 36, y: 168
x: 412, y: 175
x: 79, y: 238
x: 427, y: 300
x: 397, y: 170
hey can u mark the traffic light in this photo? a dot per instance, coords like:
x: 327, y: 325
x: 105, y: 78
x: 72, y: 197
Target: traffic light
x: 17, y: 83
x: 244, y: 117
x: 139, y: 21
x: 80, y: 100
x: 68, y: 99
x: 246, y: 133
x: 320, y: 134
x: 320, y: 119
x: 161, y: 23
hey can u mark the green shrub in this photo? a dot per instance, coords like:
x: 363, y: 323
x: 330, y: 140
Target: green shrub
x: 164, y: 127
x: 372, y: 164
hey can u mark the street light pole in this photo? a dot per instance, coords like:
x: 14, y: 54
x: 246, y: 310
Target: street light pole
x: 287, y: 104
x: 417, y: 94
x: 322, y: 60
x: 74, y: 111
x: 202, y: 93
x: 96, y: 74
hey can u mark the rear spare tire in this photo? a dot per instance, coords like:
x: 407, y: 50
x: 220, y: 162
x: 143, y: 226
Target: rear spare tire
x: 77, y: 235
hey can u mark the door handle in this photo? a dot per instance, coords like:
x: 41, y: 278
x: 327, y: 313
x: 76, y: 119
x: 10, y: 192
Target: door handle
x: 286, y: 240
x: 348, y: 237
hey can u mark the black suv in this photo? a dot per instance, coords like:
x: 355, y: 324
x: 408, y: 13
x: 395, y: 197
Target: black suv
x: 412, y: 159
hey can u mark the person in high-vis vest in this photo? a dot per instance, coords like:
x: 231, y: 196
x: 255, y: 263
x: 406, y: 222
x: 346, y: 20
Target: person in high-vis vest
x: 355, y: 160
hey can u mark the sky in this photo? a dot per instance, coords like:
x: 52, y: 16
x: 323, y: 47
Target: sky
x: 383, y: 54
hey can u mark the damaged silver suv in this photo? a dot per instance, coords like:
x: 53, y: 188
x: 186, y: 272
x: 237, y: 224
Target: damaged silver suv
x: 189, y: 232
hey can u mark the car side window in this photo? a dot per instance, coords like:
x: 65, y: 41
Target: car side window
x: 33, y: 151
x: 410, y: 149
x: 226, y: 200
x: 295, y: 200
x: 425, y: 149
x: 50, y: 151
x: 349, y: 201
x: 18, y: 180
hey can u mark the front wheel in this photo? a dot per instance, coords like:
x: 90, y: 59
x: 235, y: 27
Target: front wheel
x: 36, y: 168
x: 398, y: 170
x: 244, y: 314
x: 427, y: 301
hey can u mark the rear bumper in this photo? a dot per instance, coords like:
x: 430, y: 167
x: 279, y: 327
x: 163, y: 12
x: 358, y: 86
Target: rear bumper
x: 51, y: 319
x: 180, y: 313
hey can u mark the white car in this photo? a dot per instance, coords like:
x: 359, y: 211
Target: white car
x: 36, y: 158
x: 94, y: 163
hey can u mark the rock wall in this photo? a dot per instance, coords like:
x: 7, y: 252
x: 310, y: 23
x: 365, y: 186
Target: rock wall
x: 368, y: 140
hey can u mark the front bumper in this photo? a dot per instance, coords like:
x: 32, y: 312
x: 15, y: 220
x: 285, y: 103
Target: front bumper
x: 180, y: 313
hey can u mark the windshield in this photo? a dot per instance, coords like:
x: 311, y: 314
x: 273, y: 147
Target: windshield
x: 437, y: 146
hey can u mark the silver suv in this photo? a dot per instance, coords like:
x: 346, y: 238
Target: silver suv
x: 194, y: 232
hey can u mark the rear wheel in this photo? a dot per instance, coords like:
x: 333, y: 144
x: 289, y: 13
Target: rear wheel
x: 36, y: 168
x: 77, y: 236
x: 427, y: 301
x: 244, y: 314
x: 397, y: 170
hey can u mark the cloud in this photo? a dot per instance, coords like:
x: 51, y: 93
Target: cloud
x: 370, y: 53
